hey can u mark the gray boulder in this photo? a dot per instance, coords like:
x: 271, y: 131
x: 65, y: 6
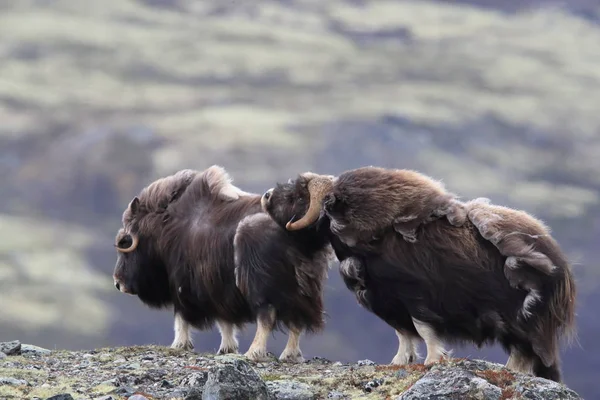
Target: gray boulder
x: 451, y: 383
x: 482, y: 380
x: 235, y: 380
x: 10, y: 348
x: 290, y: 390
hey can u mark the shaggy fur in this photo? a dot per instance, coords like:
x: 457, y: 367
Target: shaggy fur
x: 407, y: 199
x: 449, y: 285
x: 195, y: 242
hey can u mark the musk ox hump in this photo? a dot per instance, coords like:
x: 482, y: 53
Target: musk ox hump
x: 220, y: 184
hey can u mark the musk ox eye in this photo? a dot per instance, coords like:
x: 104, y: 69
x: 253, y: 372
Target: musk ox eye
x: 125, y: 242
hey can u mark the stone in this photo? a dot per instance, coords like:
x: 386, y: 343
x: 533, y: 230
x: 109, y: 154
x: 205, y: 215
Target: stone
x: 235, y: 380
x: 28, y: 349
x: 12, y: 348
x: 451, y: 383
x: 365, y: 362
x: 534, y: 388
x: 194, y: 393
x: 290, y: 390
x: 137, y: 397
x: 107, y: 398
x: 2, y: 355
x: 196, y: 379
x: 65, y: 396
x: 12, y: 381
x: 337, y: 395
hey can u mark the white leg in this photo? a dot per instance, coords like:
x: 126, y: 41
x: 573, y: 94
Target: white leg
x: 264, y: 326
x: 435, y: 347
x: 518, y: 363
x: 407, y: 349
x: 229, y: 342
x: 292, y: 352
x: 183, y: 338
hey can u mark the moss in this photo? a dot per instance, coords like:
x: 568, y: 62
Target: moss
x: 271, y: 377
x: 20, y: 373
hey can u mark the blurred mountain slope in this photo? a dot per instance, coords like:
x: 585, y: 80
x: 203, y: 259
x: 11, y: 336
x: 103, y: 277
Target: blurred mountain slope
x: 99, y: 98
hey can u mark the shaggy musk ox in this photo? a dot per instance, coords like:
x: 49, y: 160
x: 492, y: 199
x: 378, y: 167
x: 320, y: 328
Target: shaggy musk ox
x: 448, y: 285
x: 195, y: 242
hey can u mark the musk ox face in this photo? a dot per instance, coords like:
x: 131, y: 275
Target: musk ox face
x: 288, y: 202
x: 139, y: 270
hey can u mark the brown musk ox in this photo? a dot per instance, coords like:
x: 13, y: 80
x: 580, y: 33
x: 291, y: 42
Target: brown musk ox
x: 194, y: 242
x: 449, y: 285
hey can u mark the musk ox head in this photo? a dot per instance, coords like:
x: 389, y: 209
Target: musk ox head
x: 140, y: 269
x: 298, y: 203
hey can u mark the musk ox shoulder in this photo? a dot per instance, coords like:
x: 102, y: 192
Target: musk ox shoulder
x: 189, y: 241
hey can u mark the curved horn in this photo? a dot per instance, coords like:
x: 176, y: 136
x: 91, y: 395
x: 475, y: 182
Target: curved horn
x: 134, y: 243
x: 318, y: 187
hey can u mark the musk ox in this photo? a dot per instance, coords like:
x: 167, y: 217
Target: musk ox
x: 195, y: 242
x: 450, y: 285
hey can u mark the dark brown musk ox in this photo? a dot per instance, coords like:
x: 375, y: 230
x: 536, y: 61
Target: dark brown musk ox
x: 195, y: 242
x: 450, y: 284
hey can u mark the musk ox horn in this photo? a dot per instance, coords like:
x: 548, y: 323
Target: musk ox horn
x: 318, y: 187
x: 132, y: 247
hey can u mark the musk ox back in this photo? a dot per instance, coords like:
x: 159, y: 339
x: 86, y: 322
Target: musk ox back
x: 450, y: 282
x: 195, y: 242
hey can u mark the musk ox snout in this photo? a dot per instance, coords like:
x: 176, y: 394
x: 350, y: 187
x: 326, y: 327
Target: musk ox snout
x: 122, y: 287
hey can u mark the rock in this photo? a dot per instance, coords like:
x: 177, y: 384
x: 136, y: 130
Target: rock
x: 235, y: 380
x: 450, y: 383
x: 365, y: 362
x: 137, y: 397
x: 290, y: 390
x: 125, y: 391
x: 533, y: 388
x: 28, y: 349
x: 2, y: 355
x: 337, y: 395
x: 107, y: 398
x: 12, y: 381
x: 65, y: 396
x: 194, y: 394
x: 196, y: 379
x: 11, y: 348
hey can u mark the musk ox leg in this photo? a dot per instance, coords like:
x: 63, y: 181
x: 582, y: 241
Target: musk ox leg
x: 435, y: 348
x: 292, y: 352
x: 264, y: 325
x: 229, y: 342
x: 407, y: 349
x: 519, y: 363
x: 183, y: 337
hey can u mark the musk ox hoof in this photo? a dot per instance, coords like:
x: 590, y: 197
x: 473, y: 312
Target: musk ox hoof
x: 227, y: 350
x: 291, y: 357
x: 186, y: 345
x: 404, y: 359
x: 257, y: 355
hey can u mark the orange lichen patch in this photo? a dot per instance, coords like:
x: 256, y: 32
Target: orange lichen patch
x: 501, y: 378
x: 508, y: 394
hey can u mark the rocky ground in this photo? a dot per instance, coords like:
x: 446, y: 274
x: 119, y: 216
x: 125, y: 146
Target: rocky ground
x: 153, y: 372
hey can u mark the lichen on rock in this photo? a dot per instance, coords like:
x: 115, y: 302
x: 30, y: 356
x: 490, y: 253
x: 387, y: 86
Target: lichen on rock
x: 155, y: 372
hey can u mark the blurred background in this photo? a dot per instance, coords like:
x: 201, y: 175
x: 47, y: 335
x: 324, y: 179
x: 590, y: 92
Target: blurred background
x: 497, y: 98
